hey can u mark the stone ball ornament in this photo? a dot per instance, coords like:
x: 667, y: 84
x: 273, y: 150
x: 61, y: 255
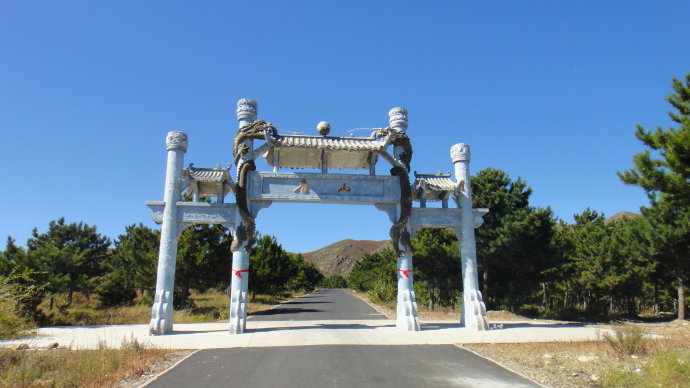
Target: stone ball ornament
x: 324, y: 128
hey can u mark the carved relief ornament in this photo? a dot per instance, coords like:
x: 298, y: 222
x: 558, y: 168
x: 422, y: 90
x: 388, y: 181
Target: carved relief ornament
x: 397, y: 117
x: 460, y: 153
x: 247, y: 109
x: 176, y: 140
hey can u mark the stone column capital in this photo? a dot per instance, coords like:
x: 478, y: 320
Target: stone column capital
x: 397, y: 117
x: 460, y: 153
x: 176, y: 140
x: 247, y: 109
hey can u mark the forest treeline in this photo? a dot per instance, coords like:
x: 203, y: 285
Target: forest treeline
x: 74, y: 258
x: 529, y: 261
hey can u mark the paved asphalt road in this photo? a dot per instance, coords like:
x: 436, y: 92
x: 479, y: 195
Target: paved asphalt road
x: 322, y: 305
x: 337, y: 366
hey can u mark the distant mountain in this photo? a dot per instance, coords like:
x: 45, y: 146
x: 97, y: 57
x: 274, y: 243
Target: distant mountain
x: 621, y: 215
x: 339, y: 258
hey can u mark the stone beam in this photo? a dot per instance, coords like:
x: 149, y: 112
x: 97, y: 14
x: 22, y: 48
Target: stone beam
x: 198, y: 212
x: 323, y: 188
x: 444, y: 218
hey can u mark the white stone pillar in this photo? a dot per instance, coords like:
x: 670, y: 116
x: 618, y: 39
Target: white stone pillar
x: 239, y: 286
x: 239, y: 278
x: 162, y: 310
x: 473, y: 309
x: 406, y: 310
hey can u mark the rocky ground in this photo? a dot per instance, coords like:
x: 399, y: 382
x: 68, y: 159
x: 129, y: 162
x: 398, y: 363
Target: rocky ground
x: 154, y: 369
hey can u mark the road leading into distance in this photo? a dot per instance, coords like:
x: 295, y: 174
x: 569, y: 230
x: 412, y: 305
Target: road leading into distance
x: 321, y: 305
x: 337, y: 365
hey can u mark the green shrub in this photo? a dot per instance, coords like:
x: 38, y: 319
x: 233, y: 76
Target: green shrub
x: 10, y: 323
x: 623, y: 378
x: 382, y: 290
x: 335, y: 281
x: 146, y: 300
x: 530, y: 310
x: 17, y: 306
x: 667, y: 369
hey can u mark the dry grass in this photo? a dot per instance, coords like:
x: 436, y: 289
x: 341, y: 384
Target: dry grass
x: 440, y: 313
x: 208, y: 307
x: 78, y: 368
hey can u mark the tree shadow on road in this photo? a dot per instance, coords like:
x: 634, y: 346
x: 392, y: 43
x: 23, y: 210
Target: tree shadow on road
x: 320, y: 326
x: 280, y: 310
x: 178, y: 332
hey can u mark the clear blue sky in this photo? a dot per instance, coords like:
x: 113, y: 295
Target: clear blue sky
x: 548, y: 91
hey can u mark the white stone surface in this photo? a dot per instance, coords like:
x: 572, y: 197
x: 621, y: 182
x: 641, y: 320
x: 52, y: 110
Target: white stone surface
x: 239, y: 286
x: 300, y: 333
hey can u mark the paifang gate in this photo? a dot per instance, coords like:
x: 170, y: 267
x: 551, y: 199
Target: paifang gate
x: 255, y: 190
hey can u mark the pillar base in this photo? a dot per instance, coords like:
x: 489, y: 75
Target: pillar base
x: 474, y: 312
x: 161, y: 314
x: 238, y: 312
x: 407, y: 311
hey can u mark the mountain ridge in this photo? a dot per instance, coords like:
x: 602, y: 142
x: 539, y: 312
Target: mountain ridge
x: 339, y: 257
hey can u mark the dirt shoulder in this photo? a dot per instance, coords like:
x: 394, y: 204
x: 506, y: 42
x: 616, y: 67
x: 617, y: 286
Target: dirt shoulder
x: 575, y: 364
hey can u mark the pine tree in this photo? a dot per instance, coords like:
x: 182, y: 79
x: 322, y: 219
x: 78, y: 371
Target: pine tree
x: 69, y: 254
x: 663, y: 171
x: 270, y: 267
x: 437, y: 261
x: 203, y: 261
x: 132, y: 266
x: 514, y: 245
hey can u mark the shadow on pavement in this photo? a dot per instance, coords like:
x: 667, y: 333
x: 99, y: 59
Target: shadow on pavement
x: 334, y: 326
x: 296, y: 302
x: 506, y: 325
x: 278, y: 311
x: 177, y: 332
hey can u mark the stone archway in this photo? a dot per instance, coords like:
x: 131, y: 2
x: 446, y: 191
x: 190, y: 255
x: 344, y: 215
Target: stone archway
x: 256, y: 190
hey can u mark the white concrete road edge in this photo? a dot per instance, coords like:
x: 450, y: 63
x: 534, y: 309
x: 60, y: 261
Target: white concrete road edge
x: 299, y: 333
x: 215, y: 335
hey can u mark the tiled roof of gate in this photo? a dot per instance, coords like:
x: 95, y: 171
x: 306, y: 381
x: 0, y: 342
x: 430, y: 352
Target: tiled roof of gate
x: 206, y: 174
x: 436, y: 182
x: 360, y: 144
